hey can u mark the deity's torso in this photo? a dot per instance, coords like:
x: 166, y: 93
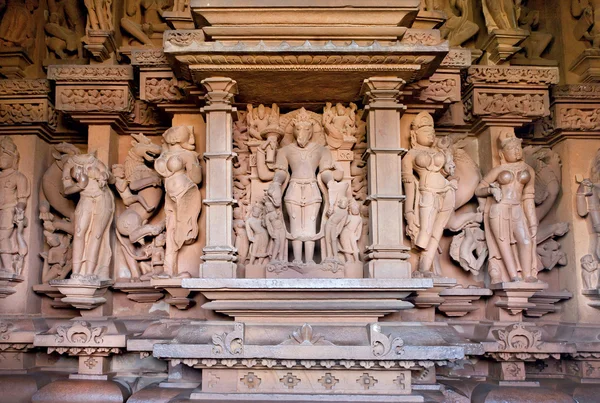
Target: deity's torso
x: 303, y: 162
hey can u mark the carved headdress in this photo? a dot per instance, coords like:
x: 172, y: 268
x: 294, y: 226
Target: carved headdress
x: 506, y: 138
x: 302, y: 117
x: 182, y: 135
x: 8, y: 146
x: 423, y: 119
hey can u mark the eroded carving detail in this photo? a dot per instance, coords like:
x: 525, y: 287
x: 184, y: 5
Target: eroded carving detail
x: 13, y: 202
x: 80, y: 332
x: 230, y: 343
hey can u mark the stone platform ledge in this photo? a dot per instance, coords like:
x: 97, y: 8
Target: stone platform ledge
x: 305, y: 285
x: 307, y: 300
x: 300, y: 398
x: 291, y: 398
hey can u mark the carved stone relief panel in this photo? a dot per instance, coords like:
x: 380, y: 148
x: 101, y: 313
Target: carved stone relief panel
x: 299, y: 182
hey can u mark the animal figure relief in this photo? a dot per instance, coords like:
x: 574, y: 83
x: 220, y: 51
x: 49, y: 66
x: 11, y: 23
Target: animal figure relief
x: 140, y: 188
x: 57, y: 212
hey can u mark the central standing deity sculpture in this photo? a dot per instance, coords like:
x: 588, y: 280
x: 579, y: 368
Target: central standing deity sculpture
x: 302, y: 196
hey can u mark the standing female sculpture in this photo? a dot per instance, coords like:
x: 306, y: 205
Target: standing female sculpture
x: 429, y: 194
x: 88, y: 176
x: 179, y: 166
x: 13, y: 200
x: 506, y: 197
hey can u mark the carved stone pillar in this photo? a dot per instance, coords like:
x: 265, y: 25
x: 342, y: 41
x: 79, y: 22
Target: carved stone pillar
x: 386, y: 253
x: 219, y: 252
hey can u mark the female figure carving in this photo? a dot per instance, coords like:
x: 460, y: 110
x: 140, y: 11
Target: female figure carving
x: 14, y: 192
x: 258, y: 235
x: 429, y: 193
x: 351, y: 233
x: 179, y: 166
x: 506, y: 197
x: 88, y: 176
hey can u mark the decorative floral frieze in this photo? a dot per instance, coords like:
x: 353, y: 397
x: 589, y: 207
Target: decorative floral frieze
x: 512, y: 75
x: 95, y: 100
x: 78, y: 351
x: 287, y: 62
x: 497, y: 104
x: 148, y: 57
x: 24, y: 87
x: 304, y: 364
x: 90, y: 73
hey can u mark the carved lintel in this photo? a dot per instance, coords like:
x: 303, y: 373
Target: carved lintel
x: 83, y: 293
x: 459, y: 301
x: 100, y: 43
